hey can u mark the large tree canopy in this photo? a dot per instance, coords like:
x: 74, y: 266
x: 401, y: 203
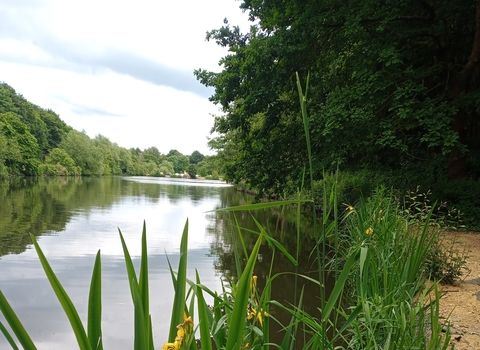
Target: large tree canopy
x: 393, y: 83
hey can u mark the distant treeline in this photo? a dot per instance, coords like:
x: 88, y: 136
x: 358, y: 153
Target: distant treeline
x: 35, y: 141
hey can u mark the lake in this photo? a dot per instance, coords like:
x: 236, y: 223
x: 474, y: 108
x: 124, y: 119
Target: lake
x: 75, y: 217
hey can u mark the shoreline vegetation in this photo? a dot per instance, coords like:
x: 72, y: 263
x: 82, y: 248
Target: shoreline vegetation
x: 383, y: 255
x: 36, y: 142
x: 381, y: 263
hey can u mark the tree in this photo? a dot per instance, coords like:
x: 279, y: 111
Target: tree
x: 192, y: 171
x: 180, y: 163
x: 56, y: 128
x: 58, y: 162
x: 22, y: 153
x: 83, y: 150
x: 153, y: 154
x: 111, y: 155
x: 392, y: 85
x: 174, y: 152
x: 196, y: 157
x: 207, y: 166
x: 166, y: 167
x: 125, y: 161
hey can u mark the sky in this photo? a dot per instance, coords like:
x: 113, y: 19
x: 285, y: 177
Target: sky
x: 121, y: 69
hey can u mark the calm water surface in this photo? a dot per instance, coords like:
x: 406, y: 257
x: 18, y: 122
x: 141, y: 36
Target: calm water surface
x: 74, y: 218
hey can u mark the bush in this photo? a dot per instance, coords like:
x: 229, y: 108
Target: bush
x: 445, y: 263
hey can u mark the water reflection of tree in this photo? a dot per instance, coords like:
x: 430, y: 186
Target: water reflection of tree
x: 281, y: 224
x: 45, y: 205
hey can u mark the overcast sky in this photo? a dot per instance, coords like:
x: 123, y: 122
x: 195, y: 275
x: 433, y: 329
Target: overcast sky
x: 122, y: 69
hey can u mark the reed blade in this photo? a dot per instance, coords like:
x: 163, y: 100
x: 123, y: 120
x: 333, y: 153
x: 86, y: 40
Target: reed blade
x: 180, y: 286
x: 64, y: 299
x: 94, y: 325
x: 15, y: 325
x: 143, y: 279
x: 204, y: 317
x: 237, y: 321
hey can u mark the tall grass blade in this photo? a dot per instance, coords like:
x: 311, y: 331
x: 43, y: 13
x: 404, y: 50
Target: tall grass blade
x: 275, y: 244
x: 132, y: 276
x: 303, y: 107
x: 8, y: 337
x: 348, y: 322
x: 94, y: 325
x: 204, y: 317
x: 339, y: 287
x: 288, y: 341
x: 150, y: 333
x: 15, y: 325
x: 141, y: 326
x: 218, y: 333
x: 142, y: 330
x: 258, y: 206
x: 180, y: 286
x: 238, y: 265
x: 64, y: 300
x: 143, y: 279
x: 237, y: 321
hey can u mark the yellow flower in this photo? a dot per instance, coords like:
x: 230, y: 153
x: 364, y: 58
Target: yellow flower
x: 183, y: 330
x: 257, y: 315
x: 349, y: 208
x: 369, y: 231
x: 171, y: 346
x: 253, y: 285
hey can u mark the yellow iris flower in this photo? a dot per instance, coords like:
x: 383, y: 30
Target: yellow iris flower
x: 183, y: 330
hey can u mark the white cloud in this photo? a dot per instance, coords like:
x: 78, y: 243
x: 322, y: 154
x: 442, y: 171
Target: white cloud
x: 117, y: 69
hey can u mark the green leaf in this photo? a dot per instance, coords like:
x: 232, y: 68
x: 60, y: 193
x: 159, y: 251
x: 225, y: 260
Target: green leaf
x: 8, y: 336
x: 141, y: 336
x: 94, y: 326
x: 237, y: 321
x: 64, y: 300
x: 132, y: 276
x: 288, y: 341
x: 15, y: 325
x: 143, y: 279
x: 339, y: 286
x: 266, y: 205
x: 204, y: 317
x: 274, y: 243
x: 180, y: 287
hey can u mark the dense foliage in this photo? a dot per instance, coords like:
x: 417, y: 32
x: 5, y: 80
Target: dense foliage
x: 394, y: 88
x: 35, y: 141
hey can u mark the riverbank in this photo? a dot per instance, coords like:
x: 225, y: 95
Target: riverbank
x: 460, y: 303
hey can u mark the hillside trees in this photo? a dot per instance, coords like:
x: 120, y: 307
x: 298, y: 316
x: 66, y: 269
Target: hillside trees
x: 28, y: 131
x: 394, y: 85
x: 21, y: 155
x: 35, y: 141
x: 59, y: 163
x: 85, y: 153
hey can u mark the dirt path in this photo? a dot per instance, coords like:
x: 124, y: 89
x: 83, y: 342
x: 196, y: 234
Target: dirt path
x: 461, y: 302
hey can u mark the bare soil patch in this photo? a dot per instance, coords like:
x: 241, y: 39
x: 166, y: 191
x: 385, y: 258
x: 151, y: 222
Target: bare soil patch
x: 460, y: 303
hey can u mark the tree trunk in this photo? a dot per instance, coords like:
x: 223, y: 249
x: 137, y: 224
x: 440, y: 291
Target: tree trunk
x: 459, y: 83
